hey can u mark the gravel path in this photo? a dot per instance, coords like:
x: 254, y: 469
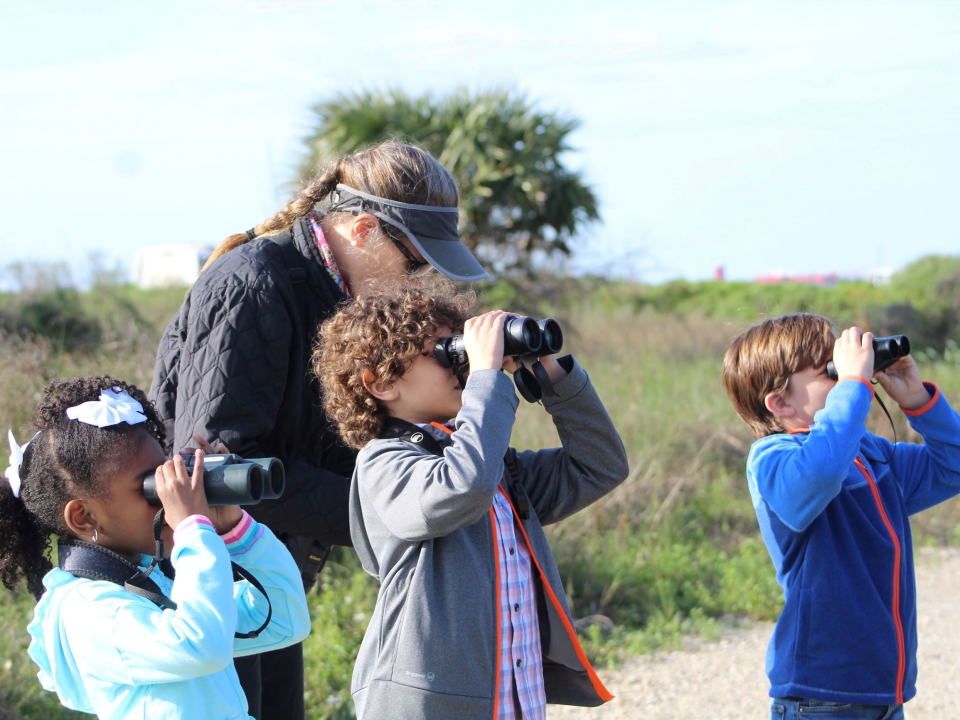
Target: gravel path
x: 725, y: 680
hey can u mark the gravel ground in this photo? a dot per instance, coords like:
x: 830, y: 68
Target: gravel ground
x: 725, y: 680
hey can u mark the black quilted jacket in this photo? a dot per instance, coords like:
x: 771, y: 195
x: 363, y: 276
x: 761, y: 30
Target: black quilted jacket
x: 234, y: 364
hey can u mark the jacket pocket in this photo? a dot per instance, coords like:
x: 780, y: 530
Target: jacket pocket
x: 446, y: 634
x: 394, y: 610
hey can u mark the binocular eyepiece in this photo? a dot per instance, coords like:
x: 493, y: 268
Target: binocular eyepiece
x: 232, y: 480
x: 886, y: 351
x: 522, y: 336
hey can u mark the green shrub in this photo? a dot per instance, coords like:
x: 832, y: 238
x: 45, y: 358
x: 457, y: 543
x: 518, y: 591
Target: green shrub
x: 674, y: 551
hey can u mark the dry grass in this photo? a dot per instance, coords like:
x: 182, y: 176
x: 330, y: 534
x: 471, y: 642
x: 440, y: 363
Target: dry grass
x: 671, y: 548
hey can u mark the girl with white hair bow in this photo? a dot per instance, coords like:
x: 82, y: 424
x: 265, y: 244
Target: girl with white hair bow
x: 103, y: 649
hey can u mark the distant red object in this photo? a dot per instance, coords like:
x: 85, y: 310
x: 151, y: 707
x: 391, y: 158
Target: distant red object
x: 815, y: 279
x: 718, y: 273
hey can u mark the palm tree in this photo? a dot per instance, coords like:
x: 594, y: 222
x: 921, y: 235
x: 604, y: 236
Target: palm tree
x: 518, y: 198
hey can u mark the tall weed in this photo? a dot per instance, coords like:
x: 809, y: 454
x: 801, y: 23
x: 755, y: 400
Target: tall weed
x: 673, y: 551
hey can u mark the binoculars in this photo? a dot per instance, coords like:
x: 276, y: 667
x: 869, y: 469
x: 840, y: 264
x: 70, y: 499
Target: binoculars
x: 231, y: 480
x: 886, y: 351
x: 522, y: 337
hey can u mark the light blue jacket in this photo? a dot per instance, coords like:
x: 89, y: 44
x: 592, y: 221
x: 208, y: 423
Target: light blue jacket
x: 111, y: 653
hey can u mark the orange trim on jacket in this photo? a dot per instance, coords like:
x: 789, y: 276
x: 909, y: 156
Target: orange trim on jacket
x: 860, y: 379
x: 598, y: 686
x: 922, y: 410
x: 897, y: 622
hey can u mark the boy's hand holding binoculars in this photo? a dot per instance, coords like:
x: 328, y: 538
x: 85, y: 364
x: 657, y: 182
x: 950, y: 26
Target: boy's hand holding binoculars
x: 853, y: 354
x: 483, y: 340
x: 902, y: 382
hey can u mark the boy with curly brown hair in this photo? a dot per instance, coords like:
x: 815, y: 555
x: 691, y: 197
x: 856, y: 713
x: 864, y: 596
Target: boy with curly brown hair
x: 471, y: 620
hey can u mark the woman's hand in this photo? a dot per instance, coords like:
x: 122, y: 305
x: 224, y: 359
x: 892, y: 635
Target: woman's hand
x: 181, y: 493
x: 902, y: 382
x: 205, y: 446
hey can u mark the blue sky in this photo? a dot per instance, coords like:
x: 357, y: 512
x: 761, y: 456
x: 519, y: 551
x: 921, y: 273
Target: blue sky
x: 763, y: 136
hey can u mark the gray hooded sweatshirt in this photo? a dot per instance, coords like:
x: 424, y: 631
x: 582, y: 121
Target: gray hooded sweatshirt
x: 423, y: 525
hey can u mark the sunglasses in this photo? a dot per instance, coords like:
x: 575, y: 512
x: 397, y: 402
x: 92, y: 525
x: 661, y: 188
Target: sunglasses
x: 415, y: 264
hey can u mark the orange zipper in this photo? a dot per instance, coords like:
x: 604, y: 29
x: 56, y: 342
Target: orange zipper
x: 598, y: 686
x: 898, y: 624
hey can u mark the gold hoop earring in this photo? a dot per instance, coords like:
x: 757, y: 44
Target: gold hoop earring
x: 96, y: 534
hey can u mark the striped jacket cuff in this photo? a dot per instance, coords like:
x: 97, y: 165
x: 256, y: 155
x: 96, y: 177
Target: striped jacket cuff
x: 191, y: 522
x: 243, y: 536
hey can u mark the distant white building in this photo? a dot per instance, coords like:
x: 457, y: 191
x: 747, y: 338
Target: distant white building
x: 880, y: 276
x: 166, y: 265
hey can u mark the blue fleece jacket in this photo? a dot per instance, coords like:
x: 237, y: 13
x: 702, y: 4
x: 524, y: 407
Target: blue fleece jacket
x: 111, y: 653
x: 833, y: 506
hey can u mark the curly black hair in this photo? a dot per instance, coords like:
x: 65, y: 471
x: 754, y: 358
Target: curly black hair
x: 63, y: 462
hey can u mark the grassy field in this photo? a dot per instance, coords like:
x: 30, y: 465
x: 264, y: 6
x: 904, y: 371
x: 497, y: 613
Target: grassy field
x: 673, y: 551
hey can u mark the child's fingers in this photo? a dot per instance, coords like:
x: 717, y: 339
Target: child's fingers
x: 489, y: 322
x: 165, y: 477
x: 181, y: 492
x: 490, y: 319
x: 885, y: 380
x: 180, y: 469
x: 159, y: 476
x: 866, y: 340
x: 511, y: 365
x: 198, y: 469
x: 483, y: 340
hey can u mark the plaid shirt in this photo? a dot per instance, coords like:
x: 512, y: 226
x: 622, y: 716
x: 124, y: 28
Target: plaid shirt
x: 521, y: 663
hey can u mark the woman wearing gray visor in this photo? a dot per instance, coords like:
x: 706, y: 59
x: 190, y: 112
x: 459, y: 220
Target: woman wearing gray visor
x: 233, y: 365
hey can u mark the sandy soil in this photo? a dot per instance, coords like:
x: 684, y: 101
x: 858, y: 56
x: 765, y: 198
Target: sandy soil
x: 724, y: 680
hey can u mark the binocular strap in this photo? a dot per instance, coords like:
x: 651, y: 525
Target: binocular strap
x: 93, y: 562
x: 543, y: 377
x: 86, y: 560
x: 892, y: 426
x: 240, y: 573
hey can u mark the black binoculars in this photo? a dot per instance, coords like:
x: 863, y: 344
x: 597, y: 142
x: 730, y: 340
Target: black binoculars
x: 522, y: 337
x: 886, y: 351
x: 232, y: 480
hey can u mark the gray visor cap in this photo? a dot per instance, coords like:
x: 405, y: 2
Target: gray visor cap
x: 435, y: 231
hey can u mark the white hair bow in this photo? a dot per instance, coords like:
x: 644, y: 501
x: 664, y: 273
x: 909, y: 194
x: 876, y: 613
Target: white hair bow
x: 114, y: 407
x: 12, y: 473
